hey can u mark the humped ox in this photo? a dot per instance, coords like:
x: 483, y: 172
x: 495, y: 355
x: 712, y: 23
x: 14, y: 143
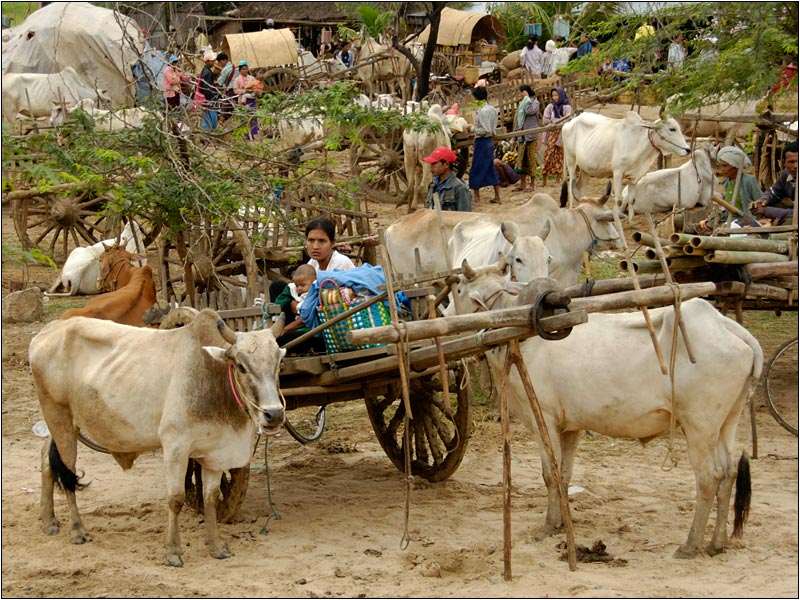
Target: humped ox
x: 681, y: 187
x: 104, y: 120
x: 623, y: 149
x: 416, y: 146
x: 109, y: 382
x: 132, y: 291
x: 393, y: 69
x: 572, y: 231
x: 602, y: 378
x: 81, y: 270
x: 34, y: 94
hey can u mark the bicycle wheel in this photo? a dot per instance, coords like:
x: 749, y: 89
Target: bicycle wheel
x: 307, y: 424
x: 780, y: 385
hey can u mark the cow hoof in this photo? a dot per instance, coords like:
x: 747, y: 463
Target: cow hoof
x: 685, y: 552
x: 544, y: 533
x: 53, y: 528
x: 221, y: 552
x: 81, y: 538
x: 173, y: 560
x: 712, y: 550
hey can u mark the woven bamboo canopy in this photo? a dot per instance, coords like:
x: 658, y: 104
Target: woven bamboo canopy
x: 459, y: 27
x: 262, y: 49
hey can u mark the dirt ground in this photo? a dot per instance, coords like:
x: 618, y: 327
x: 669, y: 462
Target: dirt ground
x: 342, y: 508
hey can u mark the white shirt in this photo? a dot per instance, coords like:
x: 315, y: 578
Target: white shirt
x: 338, y: 262
x: 532, y: 60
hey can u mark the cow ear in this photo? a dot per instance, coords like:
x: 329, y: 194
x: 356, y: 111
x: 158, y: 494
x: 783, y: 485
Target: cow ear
x: 545, y: 230
x: 218, y: 354
x: 510, y: 231
x: 477, y: 298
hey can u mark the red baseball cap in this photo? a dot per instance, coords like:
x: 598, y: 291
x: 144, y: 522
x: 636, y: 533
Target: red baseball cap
x: 441, y: 153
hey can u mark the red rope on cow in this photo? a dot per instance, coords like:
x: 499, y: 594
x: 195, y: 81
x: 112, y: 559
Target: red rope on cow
x: 233, y: 386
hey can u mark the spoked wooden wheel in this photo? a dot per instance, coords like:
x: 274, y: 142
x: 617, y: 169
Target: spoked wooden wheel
x: 233, y: 488
x: 378, y: 161
x: 54, y: 224
x: 780, y: 385
x: 441, y: 65
x: 439, y: 430
x: 281, y: 79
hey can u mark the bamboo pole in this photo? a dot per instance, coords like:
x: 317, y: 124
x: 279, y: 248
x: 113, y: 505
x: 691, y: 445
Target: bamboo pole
x: 739, y: 257
x: 544, y: 437
x: 740, y: 244
x: 760, y: 270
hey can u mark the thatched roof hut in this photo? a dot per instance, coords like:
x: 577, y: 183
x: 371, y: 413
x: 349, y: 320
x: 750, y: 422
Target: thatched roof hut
x: 293, y: 13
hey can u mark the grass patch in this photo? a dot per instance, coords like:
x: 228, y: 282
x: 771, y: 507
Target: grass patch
x: 18, y: 11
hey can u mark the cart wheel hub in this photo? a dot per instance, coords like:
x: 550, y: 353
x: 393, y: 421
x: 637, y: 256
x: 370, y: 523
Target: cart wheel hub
x: 390, y: 161
x: 64, y: 212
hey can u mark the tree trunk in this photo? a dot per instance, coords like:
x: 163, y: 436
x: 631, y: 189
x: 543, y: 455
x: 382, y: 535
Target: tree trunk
x: 423, y: 69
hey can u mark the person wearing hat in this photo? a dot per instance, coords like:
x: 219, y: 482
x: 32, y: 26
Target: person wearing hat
x: 731, y: 163
x: 207, y: 95
x: 453, y: 193
x: 172, y: 83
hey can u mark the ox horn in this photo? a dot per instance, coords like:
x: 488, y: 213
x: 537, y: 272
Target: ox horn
x: 604, y: 198
x: 545, y: 231
x: 469, y: 272
x: 228, y: 334
x: 502, y: 263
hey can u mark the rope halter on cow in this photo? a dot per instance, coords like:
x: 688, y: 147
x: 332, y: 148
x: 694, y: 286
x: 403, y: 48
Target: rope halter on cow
x: 101, y: 281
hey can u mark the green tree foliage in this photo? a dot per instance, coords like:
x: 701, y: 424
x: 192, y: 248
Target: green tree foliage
x: 736, y: 51
x: 177, y: 179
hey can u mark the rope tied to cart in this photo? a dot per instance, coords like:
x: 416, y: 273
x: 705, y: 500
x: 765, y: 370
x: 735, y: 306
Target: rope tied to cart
x: 671, y: 460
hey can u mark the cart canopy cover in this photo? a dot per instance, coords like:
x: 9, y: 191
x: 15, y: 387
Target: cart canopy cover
x: 100, y: 44
x: 262, y: 49
x: 459, y: 27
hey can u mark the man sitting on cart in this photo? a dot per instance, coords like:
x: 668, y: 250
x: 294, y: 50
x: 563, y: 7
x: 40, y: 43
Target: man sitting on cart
x: 777, y: 203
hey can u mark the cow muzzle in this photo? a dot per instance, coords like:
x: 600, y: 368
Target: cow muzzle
x: 271, y: 420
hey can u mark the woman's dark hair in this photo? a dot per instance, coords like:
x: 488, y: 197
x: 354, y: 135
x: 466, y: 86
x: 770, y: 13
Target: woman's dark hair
x: 323, y: 224
x: 222, y: 56
x: 480, y: 93
x: 526, y: 88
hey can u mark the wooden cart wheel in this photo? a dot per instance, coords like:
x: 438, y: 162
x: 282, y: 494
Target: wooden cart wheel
x: 281, y: 79
x: 438, y: 441
x: 56, y: 224
x: 441, y: 65
x: 233, y: 489
x: 379, y: 161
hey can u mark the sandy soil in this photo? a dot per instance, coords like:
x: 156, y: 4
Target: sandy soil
x: 342, y: 507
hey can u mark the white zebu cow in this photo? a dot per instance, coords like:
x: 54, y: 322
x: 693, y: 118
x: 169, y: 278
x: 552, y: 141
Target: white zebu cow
x: 572, y: 231
x: 623, y: 149
x: 104, y: 120
x: 33, y: 94
x: 81, y: 270
x: 683, y: 187
x: 605, y: 377
x: 416, y: 146
x: 110, y: 383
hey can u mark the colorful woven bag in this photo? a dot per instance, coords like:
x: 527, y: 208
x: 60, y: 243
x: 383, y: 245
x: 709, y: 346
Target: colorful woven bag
x: 332, y: 303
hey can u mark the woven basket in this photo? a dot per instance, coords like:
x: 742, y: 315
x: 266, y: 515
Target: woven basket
x: 335, y: 336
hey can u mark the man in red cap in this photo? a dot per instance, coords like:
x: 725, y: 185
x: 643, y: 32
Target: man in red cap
x: 453, y: 193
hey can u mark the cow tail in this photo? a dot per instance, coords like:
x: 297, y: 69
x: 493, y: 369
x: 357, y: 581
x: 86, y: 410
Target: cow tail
x: 565, y: 192
x: 741, y: 505
x: 62, y: 475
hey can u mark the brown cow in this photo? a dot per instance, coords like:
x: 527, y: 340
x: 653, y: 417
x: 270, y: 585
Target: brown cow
x: 134, y: 290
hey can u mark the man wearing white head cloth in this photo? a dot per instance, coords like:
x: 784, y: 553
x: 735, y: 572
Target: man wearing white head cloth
x: 732, y: 163
x: 740, y: 188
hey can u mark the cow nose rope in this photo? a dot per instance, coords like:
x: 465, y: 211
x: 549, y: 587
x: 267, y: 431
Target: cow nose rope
x: 272, y: 510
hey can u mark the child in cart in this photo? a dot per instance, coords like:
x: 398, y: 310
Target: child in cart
x: 290, y: 301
